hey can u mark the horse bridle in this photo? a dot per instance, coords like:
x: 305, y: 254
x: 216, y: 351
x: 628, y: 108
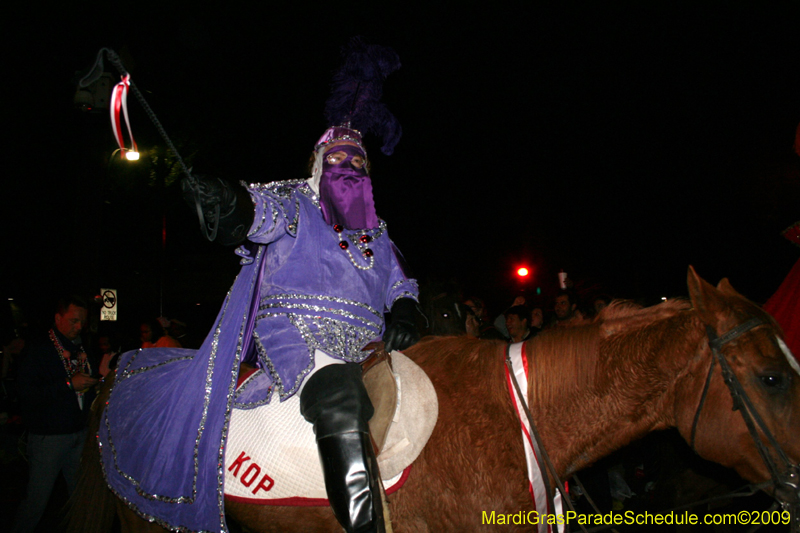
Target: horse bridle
x: 741, y: 402
x: 784, y: 482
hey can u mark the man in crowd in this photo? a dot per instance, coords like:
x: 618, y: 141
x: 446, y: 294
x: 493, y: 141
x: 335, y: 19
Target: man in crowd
x: 479, y: 325
x: 518, y: 320
x: 537, y: 319
x: 56, y: 393
x: 566, y: 309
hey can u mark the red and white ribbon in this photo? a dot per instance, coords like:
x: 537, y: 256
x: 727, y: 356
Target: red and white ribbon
x: 119, y: 102
x: 519, y: 363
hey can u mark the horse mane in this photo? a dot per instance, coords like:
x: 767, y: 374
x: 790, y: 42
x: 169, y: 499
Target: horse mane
x: 555, y: 356
x: 624, y: 315
x: 571, y: 354
x: 454, y: 361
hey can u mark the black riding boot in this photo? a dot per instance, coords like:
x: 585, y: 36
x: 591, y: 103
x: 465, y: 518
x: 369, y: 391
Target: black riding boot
x: 335, y: 401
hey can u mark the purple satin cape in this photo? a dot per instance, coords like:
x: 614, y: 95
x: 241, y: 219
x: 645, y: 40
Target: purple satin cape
x: 162, y: 436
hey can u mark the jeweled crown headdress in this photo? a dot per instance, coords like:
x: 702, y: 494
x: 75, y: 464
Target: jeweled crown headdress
x: 340, y: 133
x: 354, y: 105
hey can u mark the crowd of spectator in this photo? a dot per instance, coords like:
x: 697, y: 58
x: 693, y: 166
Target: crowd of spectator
x: 50, y: 376
x: 527, y: 317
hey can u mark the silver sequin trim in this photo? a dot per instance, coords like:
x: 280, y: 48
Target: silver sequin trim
x: 306, y: 190
x: 337, y: 338
x: 405, y: 294
x: 244, y: 253
x: 305, y: 297
x: 142, y: 514
x: 375, y: 233
x: 248, y: 382
x: 126, y: 373
x: 221, y: 454
x: 131, y: 479
x: 307, y: 307
x: 230, y: 396
x: 397, y: 284
x: 276, y: 379
x: 292, y: 227
x: 255, y: 208
x: 281, y: 189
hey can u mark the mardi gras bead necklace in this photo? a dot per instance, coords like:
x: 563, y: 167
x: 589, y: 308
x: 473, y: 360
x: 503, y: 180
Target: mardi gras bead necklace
x: 71, y: 366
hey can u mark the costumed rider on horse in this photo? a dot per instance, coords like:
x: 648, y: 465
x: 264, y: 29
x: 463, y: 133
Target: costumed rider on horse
x: 330, y: 272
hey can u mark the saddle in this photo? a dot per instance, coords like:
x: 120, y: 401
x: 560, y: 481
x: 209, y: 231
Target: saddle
x: 271, y: 454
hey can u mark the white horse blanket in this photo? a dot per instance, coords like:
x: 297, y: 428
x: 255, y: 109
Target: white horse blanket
x: 271, y: 453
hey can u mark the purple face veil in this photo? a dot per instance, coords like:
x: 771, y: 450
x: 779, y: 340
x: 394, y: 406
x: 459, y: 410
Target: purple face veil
x: 346, y: 192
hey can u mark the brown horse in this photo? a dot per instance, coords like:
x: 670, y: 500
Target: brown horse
x: 593, y: 389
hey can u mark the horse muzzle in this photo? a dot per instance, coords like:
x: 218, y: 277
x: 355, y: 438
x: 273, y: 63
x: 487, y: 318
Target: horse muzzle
x: 787, y: 493
x: 787, y: 488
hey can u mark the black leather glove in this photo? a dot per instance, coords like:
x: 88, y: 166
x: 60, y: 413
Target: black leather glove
x: 402, y: 330
x: 225, y: 210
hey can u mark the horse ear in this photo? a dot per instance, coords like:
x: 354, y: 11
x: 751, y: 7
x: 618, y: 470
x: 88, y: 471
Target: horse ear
x: 705, y: 298
x: 725, y: 287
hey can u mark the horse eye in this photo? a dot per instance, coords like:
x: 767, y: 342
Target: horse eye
x: 772, y: 381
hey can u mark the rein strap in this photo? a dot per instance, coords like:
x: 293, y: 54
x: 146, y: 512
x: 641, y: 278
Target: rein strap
x: 542, y: 458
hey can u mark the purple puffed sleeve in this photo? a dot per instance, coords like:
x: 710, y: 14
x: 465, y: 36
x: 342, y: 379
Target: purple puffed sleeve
x: 400, y: 285
x: 272, y: 208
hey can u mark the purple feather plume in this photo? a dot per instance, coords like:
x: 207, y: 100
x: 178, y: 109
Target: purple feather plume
x: 357, y: 88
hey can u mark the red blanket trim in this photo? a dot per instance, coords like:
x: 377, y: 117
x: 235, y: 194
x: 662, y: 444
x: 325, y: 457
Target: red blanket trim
x: 244, y: 375
x: 311, y: 502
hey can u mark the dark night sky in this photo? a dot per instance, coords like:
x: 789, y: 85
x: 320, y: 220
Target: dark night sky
x: 620, y: 142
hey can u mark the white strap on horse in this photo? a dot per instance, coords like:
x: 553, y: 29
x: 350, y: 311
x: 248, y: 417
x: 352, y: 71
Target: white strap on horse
x: 519, y: 364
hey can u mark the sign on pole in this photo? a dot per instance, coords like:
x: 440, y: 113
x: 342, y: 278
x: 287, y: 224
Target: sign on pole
x: 109, y: 309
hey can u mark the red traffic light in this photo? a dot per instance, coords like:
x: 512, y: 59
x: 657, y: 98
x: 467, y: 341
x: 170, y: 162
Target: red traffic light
x: 522, y: 272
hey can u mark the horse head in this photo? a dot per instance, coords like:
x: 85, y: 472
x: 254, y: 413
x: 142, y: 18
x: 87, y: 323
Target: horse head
x: 445, y: 313
x: 747, y: 377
